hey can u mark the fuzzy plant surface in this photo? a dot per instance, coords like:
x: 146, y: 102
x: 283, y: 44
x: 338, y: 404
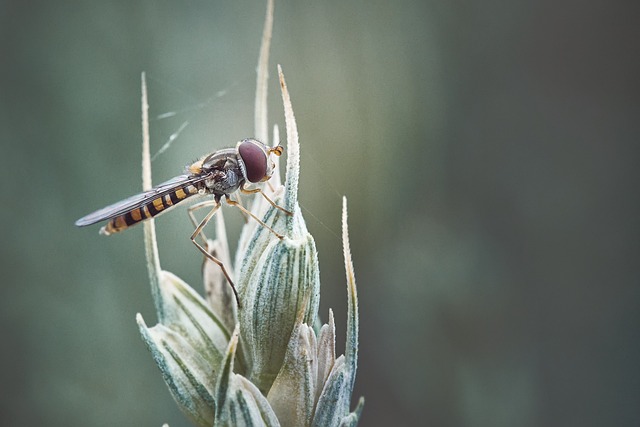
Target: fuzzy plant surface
x: 269, y: 361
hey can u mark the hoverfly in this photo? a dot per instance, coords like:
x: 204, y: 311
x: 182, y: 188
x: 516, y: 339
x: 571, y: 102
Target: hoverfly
x: 220, y: 174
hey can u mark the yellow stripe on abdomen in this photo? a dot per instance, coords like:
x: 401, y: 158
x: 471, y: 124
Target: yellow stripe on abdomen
x: 149, y: 210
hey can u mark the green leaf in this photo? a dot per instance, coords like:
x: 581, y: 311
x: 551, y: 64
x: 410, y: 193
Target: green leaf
x: 292, y: 395
x: 239, y: 402
x: 187, y: 374
x: 188, y: 346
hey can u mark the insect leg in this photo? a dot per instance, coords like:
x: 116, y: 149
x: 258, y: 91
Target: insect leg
x: 243, y: 209
x: 198, y: 231
x: 244, y: 215
x: 191, y: 209
x: 245, y: 190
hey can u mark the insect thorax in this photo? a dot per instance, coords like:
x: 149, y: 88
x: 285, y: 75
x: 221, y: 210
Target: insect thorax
x: 224, y: 173
x: 224, y: 182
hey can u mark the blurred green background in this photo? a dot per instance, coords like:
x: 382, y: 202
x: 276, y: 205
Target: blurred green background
x: 488, y: 150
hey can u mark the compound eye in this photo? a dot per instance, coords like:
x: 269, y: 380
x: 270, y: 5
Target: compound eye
x: 255, y: 160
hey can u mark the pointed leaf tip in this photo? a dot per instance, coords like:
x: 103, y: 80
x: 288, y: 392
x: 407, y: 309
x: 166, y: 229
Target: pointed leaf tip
x: 150, y: 241
x: 260, y: 108
x: 351, y: 346
x: 293, y: 149
x: 352, y: 292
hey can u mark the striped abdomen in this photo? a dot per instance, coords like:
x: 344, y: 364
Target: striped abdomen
x: 150, y: 208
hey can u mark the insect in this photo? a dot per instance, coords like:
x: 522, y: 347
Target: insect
x: 220, y: 174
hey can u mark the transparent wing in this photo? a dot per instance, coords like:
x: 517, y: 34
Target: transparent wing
x: 139, y: 200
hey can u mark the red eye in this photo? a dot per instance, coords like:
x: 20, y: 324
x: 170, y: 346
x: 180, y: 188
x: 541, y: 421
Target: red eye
x: 254, y: 158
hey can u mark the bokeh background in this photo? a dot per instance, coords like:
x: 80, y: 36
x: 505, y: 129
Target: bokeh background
x: 489, y: 152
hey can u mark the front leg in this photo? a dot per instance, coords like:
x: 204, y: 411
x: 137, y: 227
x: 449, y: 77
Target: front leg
x: 246, y: 190
x: 243, y: 209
